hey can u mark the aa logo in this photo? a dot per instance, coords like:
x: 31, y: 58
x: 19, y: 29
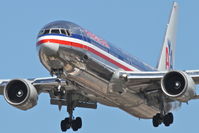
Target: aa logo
x: 169, y: 56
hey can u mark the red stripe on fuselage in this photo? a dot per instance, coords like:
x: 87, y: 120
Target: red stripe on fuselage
x: 78, y: 45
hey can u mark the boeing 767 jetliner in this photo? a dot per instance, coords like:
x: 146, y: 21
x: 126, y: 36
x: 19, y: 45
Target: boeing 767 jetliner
x: 87, y: 70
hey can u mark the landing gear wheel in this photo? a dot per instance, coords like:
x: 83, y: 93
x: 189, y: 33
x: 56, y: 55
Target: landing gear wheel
x: 63, y: 126
x: 79, y: 122
x: 170, y: 115
x: 74, y: 125
x: 168, y: 119
x: 157, y: 120
x: 67, y: 123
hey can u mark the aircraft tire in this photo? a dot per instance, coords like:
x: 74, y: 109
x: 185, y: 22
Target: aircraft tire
x: 74, y: 125
x: 155, y: 121
x: 63, y: 126
x: 170, y: 115
x: 79, y: 122
x: 168, y: 119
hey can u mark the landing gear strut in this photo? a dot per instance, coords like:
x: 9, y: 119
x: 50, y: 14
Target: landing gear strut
x: 71, y: 122
x: 158, y: 119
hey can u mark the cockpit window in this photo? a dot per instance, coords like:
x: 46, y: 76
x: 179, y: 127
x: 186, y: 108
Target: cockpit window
x: 55, y: 31
x: 41, y: 32
x: 46, y: 31
x: 68, y: 32
x: 63, y: 31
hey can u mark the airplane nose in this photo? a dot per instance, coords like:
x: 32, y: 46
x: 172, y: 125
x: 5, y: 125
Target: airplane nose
x: 49, y: 48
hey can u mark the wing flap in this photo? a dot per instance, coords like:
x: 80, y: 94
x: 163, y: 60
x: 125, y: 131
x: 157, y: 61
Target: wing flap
x: 91, y: 105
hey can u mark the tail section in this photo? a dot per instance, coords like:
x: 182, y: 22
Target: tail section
x: 166, y: 60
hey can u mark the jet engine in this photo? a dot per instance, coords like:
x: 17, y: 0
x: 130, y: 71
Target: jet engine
x: 178, y: 85
x: 21, y: 94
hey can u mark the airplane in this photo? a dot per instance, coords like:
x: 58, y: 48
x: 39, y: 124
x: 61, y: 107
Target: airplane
x: 86, y: 70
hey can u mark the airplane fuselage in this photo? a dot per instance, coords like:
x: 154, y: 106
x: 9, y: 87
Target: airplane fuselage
x: 91, y: 62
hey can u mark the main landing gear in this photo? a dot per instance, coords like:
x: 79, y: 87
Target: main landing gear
x: 71, y: 121
x: 158, y: 119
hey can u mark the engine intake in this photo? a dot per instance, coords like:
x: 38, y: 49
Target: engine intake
x: 178, y: 85
x: 21, y: 94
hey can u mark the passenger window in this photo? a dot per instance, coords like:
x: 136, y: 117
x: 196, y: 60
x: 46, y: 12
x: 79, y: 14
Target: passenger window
x: 55, y: 31
x: 63, y: 32
x: 46, y: 32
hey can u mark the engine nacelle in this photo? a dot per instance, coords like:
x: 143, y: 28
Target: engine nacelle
x: 178, y: 85
x: 21, y: 94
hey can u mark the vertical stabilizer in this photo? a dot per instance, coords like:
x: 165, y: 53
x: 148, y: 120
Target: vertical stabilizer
x: 166, y: 60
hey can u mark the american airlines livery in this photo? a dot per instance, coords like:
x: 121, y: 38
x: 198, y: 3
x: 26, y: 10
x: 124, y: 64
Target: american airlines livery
x: 86, y: 70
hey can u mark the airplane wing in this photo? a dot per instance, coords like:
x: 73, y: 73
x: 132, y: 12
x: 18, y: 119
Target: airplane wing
x: 144, y: 77
x: 194, y: 74
x: 50, y: 85
x: 41, y: 84
x: 149, y: 81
